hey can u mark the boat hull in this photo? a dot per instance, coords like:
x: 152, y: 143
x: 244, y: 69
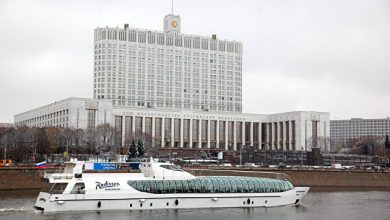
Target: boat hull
x: 146, y: 201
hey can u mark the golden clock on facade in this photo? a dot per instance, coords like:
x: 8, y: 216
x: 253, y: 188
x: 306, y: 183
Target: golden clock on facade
x: 174, y: 24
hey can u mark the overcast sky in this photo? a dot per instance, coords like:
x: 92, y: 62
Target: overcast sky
x: 331, y: 56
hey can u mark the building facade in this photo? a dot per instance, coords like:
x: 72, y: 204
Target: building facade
x: 77, y: 113
x: 179, y: 91
x: 343, y: 130
x: 167, y: 69
x: 294, y: 131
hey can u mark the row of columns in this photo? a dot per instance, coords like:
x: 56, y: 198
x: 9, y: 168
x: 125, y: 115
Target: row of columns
x: 273, y: 138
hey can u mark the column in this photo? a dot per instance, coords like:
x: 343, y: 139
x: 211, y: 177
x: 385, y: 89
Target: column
x: 208, y: 133
x: 226, y: 135
x: 251, y: 133
x: 172, y: 132
x: 143, y: 124
x: 267, y: 137
x: 234, y: 135
x: 278, y: 135
x: 272, y: 136
x: 243, y: 134
x: 153, y: 131
x: 181, y: 132
x: 290, y: 134
x: 284, y: 135
x: 133, y: 125
x: 123, y: 131
x: 200, y: 133
x: 260, y: 132
x: 162, y: 132
x: 190, y: 133
x: 217, y: 133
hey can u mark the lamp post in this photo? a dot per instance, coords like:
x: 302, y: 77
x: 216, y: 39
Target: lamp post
x: 301, y: 156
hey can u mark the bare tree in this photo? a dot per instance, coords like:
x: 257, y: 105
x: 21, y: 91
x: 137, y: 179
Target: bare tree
x: 106, y: 139
x: 91, y: 140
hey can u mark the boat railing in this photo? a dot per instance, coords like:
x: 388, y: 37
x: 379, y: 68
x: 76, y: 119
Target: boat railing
x: 53, y: 191
x: 58, y: 175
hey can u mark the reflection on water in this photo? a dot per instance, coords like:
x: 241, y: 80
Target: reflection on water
x: 318, y: 206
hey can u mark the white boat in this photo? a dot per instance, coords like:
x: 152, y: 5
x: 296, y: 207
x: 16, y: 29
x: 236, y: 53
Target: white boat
x: 160, y: 186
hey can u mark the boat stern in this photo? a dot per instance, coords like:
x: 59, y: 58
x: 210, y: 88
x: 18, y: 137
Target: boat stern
x: 42, y: 201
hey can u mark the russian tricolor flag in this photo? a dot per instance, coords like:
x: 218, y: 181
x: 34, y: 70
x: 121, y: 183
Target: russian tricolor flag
x: 41, y: 165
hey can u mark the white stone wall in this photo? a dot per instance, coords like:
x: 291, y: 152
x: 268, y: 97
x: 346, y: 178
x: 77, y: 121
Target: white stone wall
x: 77, y: 117
x: 68, y: 113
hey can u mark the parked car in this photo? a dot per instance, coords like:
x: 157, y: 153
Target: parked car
x: 250, y: 165
x: 6, y: 163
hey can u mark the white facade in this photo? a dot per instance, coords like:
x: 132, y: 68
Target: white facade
x: 189, y: 129
x: 183, y: 91
x: 76, y: 113
x: 343, y: 130
x: 153, y: 69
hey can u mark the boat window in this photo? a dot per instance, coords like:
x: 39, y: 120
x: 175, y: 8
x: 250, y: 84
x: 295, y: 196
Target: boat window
x: 290, y: 185
x: 170, y: 167
x: 286, y: 187
x: 255, y: 185
x: 58, y: 188
x: 239, y: 185
x: 185, y: 186
x: 270, y: 186
x: 179, y: 187
x: 165, y: 186
x: 138, y: 185
x: 273, y: 185
x: 234, y: 185
x: 191, y: 186
x: 250, y: 186
x: 159, y: 186
x: 78, y: 188
x: 172, y: 186
x: 215, y: 185
x: 146, y: 186
x: 206, y: 185
x: 245, y: 186
x: 227, y: 185
x: 202, y: 185
x: 197, y: 185
x: 281, y: 186
x: 153, y: 187
x: 266, y: 186
x: 209, y: 186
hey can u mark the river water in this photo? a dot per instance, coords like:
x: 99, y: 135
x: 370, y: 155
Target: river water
x: 315, y: 206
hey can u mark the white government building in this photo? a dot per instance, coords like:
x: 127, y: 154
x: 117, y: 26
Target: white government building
x: 185, y: 91
x: 148, y: 68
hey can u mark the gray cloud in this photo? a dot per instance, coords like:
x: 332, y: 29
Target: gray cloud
x: 298, y: 55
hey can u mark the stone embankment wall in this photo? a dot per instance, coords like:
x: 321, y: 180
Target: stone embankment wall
x: 21, y: 178
x: 353, y: 179
x: 31, y: 178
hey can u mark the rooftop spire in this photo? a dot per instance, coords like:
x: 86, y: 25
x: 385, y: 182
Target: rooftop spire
x: 172, y: 7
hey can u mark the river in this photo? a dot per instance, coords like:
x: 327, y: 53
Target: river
x: 368, y: 205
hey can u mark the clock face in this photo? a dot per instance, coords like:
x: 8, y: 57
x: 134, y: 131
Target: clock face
x: 174, y: 24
